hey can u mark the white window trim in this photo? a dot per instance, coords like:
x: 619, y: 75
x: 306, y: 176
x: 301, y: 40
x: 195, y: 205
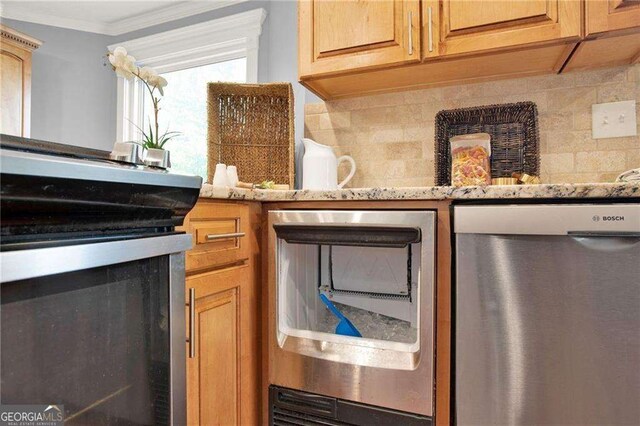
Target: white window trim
x: 223, y: 39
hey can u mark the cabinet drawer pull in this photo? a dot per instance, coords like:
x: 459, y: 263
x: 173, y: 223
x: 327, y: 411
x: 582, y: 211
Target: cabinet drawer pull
x: 410, y: 33
x: 430, y: 29
x: 192, y: 323
x: 213, y: 237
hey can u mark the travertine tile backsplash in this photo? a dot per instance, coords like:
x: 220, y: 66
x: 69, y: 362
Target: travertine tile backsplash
x: 391, y: 136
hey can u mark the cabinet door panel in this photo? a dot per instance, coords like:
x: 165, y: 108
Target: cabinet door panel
x: 15, y: 90
x: 612, y: 15
x: 213, y: 385
x: 11, y: 82
x: 475, y: 26
x: 336, y: 36
x: 352, y: 24
x: 465, y: 14
x: 216, y: 328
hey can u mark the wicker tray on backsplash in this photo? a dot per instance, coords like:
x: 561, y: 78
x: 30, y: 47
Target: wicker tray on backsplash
x: 251, y: 127
x: 514, y: 138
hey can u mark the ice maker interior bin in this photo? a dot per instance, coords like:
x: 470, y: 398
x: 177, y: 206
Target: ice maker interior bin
x: 371, y: 274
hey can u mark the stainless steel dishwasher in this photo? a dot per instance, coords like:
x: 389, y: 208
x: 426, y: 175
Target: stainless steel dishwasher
x: 547, y: 319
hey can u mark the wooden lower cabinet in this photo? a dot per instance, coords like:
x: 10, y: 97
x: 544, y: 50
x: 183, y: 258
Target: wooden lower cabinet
x: 223, y: 376
x: 213, y: 391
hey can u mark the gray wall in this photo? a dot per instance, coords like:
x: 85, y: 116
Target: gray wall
x: 74, y: 95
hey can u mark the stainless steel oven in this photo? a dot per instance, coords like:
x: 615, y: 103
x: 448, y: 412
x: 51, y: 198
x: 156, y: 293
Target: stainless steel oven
x: 98, y: 328
x: 376, y: 268
x: 92, y: 278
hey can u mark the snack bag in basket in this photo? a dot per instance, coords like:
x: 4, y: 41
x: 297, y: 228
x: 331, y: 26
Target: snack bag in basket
x: 470, y: 159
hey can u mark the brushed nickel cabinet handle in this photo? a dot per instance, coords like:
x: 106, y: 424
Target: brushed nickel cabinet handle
x: 430, y: 29
x: 192, y: 323
x: 213, y: 237
x: 410, y: 27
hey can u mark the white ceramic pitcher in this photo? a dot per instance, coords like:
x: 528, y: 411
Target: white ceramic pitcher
x: 320, y: 167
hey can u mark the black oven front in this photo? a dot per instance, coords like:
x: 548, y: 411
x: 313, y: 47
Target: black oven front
x: 98, y: 328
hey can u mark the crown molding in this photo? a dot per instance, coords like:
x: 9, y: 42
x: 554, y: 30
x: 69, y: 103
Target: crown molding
x: 133, y: 23
x: 23, y: 40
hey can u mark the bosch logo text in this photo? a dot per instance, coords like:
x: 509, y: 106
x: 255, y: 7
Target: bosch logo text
x: 612, y: 218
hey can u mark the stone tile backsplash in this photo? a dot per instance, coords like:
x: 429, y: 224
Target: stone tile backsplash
x: 391, y: 136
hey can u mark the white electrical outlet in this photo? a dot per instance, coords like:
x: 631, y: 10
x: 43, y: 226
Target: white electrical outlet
x: 613, y: 120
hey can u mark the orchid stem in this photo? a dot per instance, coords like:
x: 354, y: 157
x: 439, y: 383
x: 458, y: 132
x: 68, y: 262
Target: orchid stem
x: 155, y: 107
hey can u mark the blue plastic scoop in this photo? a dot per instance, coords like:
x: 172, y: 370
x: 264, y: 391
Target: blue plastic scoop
x: 344, y: 327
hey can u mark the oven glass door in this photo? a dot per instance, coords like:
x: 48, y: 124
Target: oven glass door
x: 95, y: 340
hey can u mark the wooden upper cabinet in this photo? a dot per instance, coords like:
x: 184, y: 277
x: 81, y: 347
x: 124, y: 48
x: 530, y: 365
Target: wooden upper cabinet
x: 611, y: 15
x: 15, y: 81
x: 344, y: 35
x: 452, y: 27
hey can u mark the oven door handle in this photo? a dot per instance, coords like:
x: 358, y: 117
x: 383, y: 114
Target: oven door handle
x: 25, y: 264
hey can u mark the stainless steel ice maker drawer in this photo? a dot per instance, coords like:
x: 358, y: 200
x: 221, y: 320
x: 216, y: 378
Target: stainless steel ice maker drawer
x: 390, y: 254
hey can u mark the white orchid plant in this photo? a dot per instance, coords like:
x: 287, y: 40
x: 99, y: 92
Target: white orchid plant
x: 125, y: 66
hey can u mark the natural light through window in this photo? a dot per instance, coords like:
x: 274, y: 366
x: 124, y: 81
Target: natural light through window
x: 184, y: 109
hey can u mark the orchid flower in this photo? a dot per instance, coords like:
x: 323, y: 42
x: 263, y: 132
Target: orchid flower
x: 125, y: 66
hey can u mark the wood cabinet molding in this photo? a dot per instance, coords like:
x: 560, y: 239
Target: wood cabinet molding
x: 605, y: 52
x: 612, y: 30
x: 513, y: 63
x: 19, y: 39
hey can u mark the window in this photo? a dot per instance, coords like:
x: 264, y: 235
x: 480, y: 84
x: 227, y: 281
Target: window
x: 183, y: 108
x: 224, y: 49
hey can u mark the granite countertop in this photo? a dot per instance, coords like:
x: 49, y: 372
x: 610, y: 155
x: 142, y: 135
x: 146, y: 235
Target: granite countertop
x: 546, y: 191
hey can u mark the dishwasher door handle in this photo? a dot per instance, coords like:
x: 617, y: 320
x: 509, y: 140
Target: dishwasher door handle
x: 603, y: 234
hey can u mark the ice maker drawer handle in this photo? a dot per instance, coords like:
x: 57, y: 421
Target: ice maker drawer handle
x: 213, y: 237
x: 192, y: 323
x: 348, y: 235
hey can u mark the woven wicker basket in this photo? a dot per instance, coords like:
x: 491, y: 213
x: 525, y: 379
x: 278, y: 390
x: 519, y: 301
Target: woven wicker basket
x: 251, y: 126
x: 514, y: 138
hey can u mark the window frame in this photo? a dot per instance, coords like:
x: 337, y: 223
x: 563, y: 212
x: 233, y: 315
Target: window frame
x: 223, y: 39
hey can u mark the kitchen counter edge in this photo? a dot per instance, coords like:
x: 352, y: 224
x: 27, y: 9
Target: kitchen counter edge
x: 546, y: 191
